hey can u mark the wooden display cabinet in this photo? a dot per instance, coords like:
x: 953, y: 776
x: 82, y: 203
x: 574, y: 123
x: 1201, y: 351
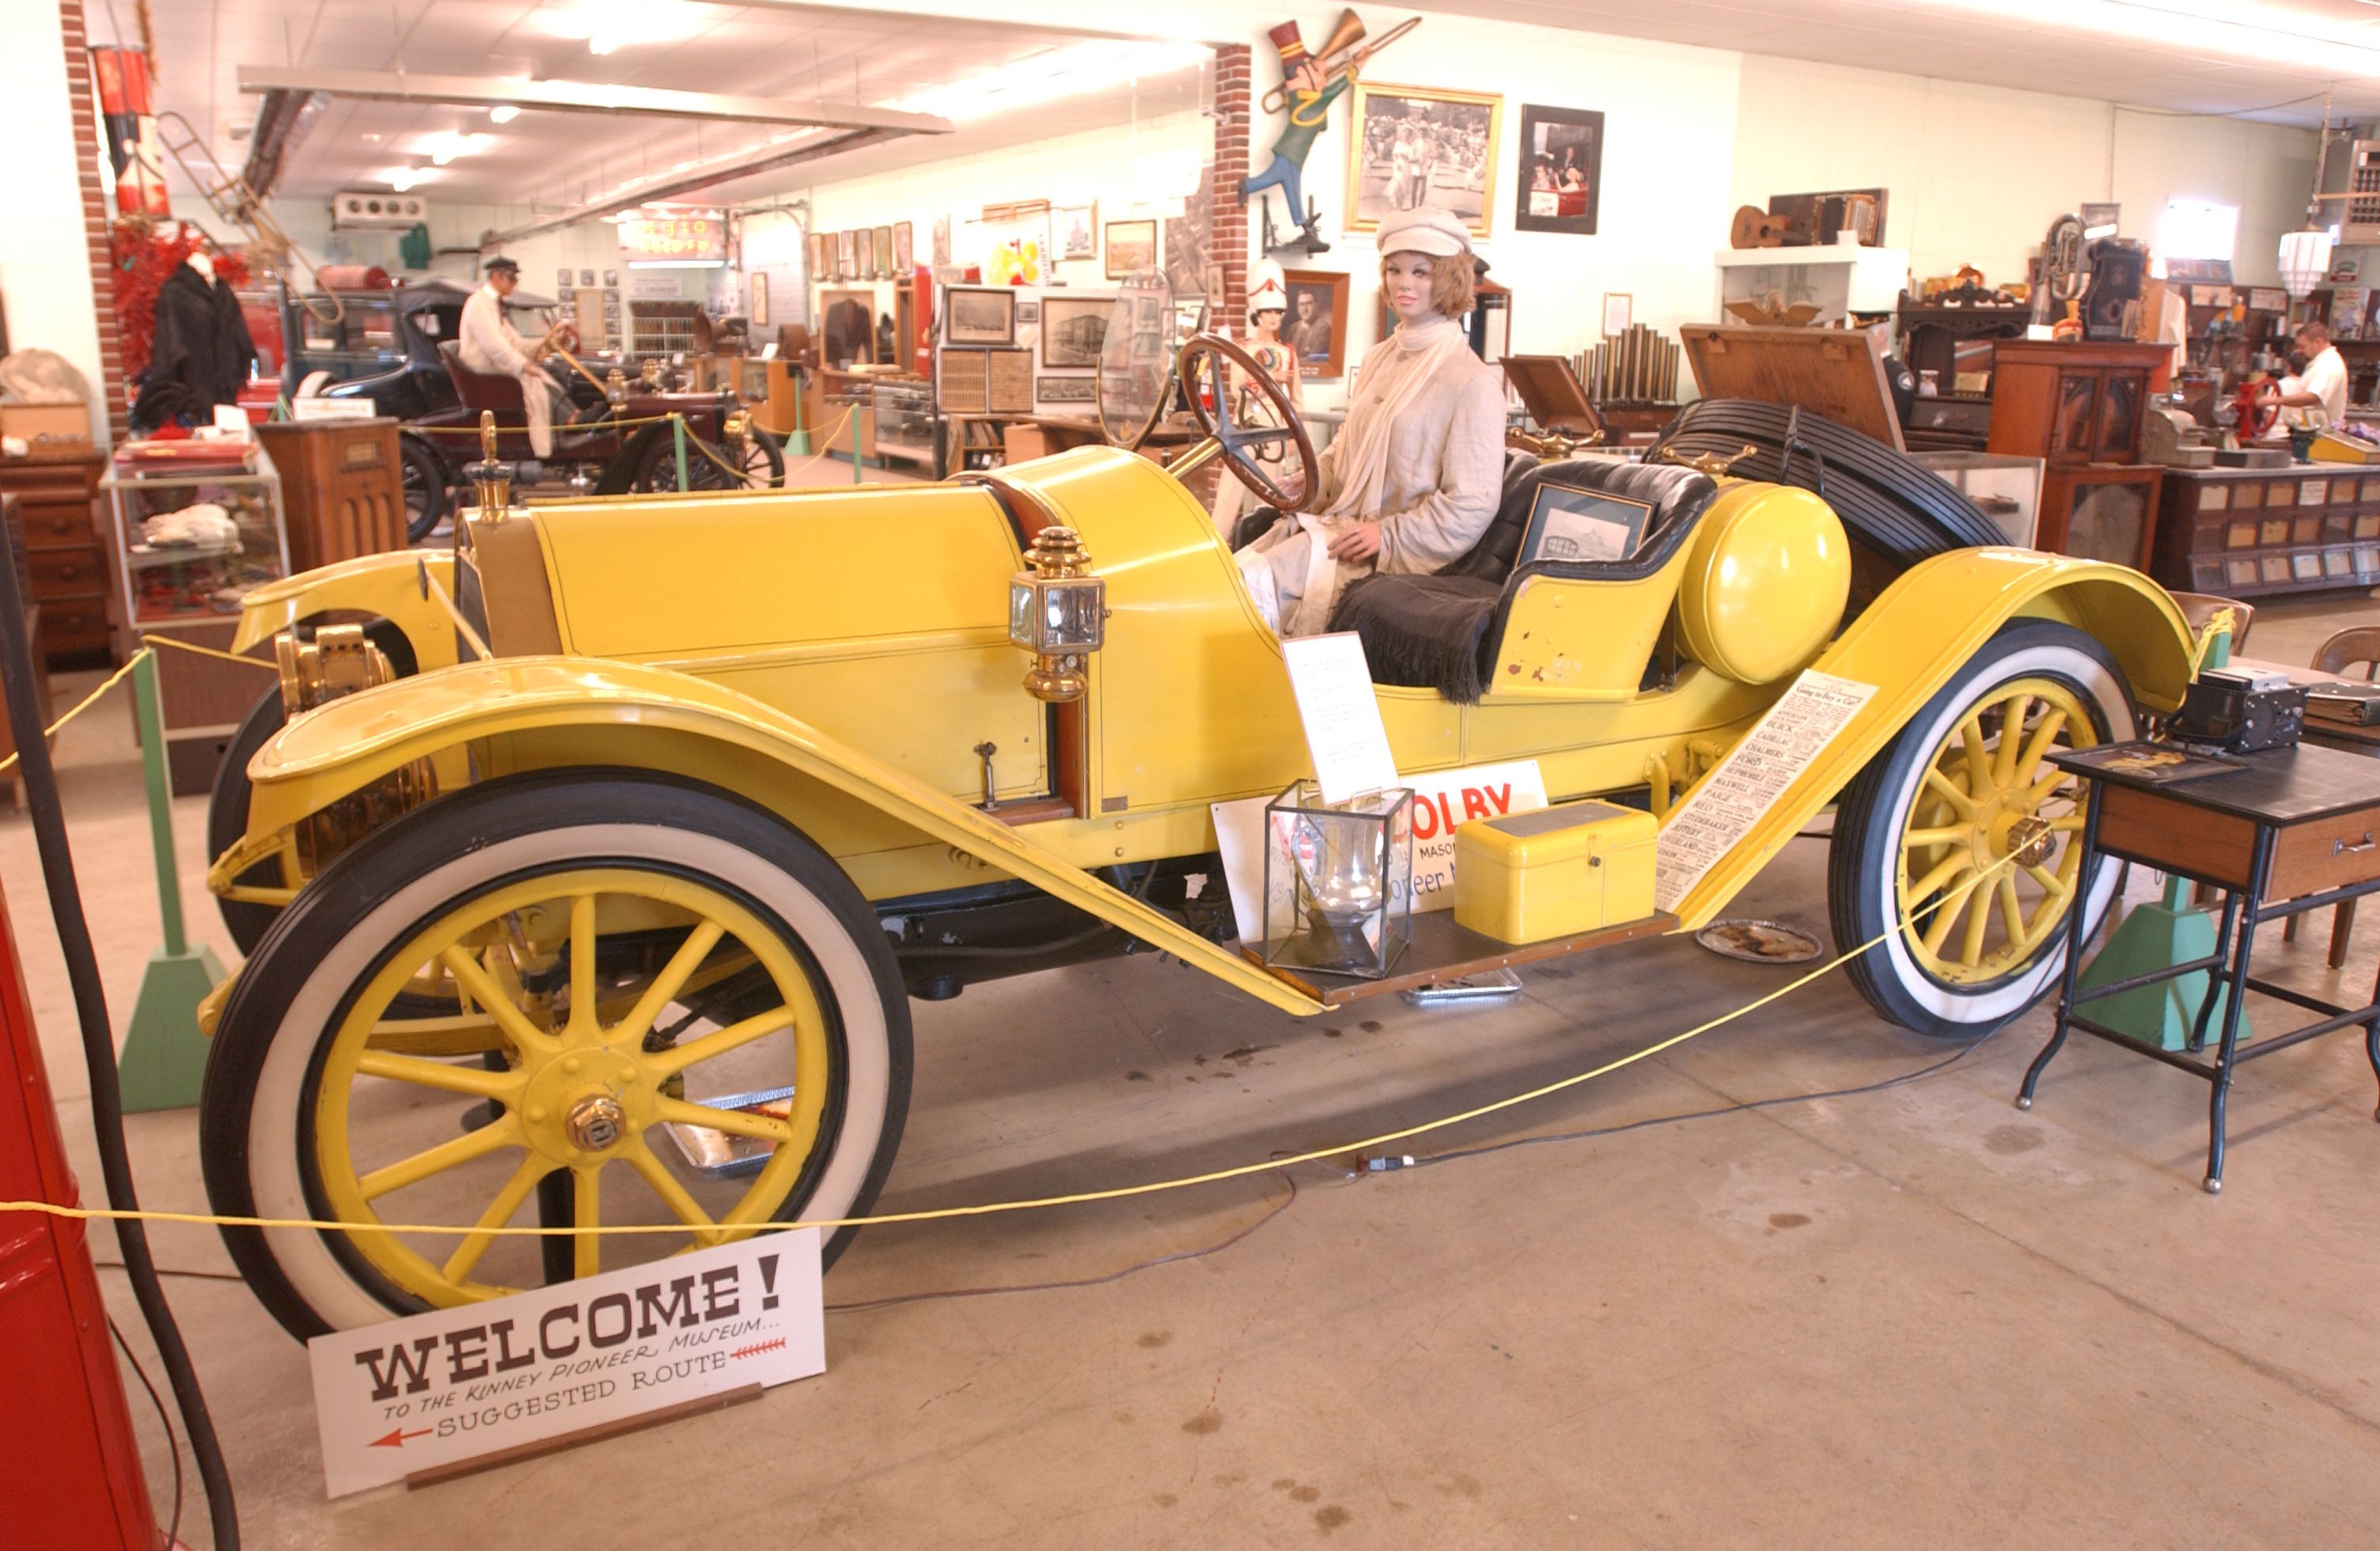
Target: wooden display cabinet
x: 2263, y: 532
x: 343, y: 486
x: 2079, y: 406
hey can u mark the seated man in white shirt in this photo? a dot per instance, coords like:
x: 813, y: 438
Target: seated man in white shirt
x: 2322, y: 385
x: 492, y: 346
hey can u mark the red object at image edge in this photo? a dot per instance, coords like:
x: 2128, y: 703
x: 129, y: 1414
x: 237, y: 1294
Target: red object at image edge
x: 69, y: 1464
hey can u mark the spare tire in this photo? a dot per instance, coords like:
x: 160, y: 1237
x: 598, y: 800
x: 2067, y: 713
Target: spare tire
x: 1895, y: 506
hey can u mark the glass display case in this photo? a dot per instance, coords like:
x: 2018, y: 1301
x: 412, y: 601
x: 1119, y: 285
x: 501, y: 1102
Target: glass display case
x: 906, y: 426
x: 193, y: 537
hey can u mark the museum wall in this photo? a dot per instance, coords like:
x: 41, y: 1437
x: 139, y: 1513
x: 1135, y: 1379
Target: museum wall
x: 1975, y: 173
x: 46, y: 276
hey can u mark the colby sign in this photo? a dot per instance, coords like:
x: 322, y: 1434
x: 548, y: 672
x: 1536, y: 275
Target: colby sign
x: 454, y: 1383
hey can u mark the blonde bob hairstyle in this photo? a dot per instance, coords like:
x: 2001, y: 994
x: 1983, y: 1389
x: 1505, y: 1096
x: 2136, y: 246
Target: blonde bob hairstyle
x: 1450, y: 279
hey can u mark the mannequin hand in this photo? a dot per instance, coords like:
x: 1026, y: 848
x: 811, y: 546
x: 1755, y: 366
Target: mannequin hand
x: 1357, y: 542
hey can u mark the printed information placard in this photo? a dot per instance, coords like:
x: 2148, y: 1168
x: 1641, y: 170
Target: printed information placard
x: 1725, y: 803
x: 456, y: 1384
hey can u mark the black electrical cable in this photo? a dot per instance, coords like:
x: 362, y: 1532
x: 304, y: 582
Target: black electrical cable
x: 40, y: 788
x: 172, y: 1444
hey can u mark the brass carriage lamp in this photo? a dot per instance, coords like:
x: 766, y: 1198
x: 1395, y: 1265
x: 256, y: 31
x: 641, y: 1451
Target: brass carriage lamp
x: 1058, y: 611
x: 490, y: 478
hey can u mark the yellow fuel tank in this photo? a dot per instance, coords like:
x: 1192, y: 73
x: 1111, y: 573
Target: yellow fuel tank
x: 1766, y: 582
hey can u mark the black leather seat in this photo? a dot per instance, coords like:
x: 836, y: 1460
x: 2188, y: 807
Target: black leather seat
x: 1440, y: 632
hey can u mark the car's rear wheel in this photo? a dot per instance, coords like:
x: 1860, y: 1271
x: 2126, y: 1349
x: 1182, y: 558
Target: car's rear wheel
x: 1926, y: 833
x: 681, y: 1012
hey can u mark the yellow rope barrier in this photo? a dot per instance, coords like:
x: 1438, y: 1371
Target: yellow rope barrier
x: 86, y: 703
x: 1215, y: 1176
x: 209, y: 651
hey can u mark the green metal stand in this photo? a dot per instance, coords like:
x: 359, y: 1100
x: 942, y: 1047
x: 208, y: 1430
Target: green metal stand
x: 677, y: 431
x: 2152, y: 936
x: 164, y: 1054
x: 797, y: 445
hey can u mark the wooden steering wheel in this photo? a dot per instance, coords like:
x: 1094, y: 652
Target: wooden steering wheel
x: 1208, y: 390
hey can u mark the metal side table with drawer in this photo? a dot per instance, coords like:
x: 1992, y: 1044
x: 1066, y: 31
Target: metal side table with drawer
x: 2299, y: 827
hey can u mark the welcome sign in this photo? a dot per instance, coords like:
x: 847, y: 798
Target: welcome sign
x: 392, y: 1400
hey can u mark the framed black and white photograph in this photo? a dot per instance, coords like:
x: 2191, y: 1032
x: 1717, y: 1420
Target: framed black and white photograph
x: 941, y: 240
x: 611, y: 278
x: 1075, y: 229
x: 1131, y: 247
x: 563, y: 289
x: 979, y: 315
x: 1419, y: 146
x: 1568, y: 523
x: 1066, y: 389
x: 1560, y: 183
x: 904, y: 248
x: 587, y: 278
x: 1029, y: 310
x: 1073, y: 331
x: 1315, y: 324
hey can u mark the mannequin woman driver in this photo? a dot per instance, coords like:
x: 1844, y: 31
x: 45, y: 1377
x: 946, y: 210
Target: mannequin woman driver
x: 1413, y: 478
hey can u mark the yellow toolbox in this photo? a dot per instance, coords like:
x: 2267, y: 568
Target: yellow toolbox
x: 1557, y: 872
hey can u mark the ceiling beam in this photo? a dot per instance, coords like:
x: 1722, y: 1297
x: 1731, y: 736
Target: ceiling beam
x: 699, y: 178
x: 575, y: 96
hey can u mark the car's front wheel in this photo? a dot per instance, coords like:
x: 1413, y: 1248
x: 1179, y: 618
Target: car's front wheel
x: 679, y: 1012
x: 1964, y: 834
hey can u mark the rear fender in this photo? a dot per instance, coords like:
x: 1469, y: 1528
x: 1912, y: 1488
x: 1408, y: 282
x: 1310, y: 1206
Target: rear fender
x: 386, y: 585
x: 542, y: 712
x: 1920, y: 632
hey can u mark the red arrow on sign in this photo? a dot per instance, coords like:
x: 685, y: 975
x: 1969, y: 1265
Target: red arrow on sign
x: 397, y: 1439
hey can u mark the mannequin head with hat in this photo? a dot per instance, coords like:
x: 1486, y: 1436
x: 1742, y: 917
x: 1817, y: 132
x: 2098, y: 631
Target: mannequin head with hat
x: 1426, y: 265
x: 504, y: 275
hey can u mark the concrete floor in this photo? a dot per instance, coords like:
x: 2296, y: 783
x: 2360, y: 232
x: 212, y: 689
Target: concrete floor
x: 1914, y: 1316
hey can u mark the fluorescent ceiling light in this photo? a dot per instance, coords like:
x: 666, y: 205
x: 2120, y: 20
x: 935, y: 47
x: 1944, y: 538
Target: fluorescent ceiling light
x: 444, y: 146
x: 607, y: 25
x: 1075, y: 70
x: 402, y: 178
x: 2274, y: 34
x: 504, y: 112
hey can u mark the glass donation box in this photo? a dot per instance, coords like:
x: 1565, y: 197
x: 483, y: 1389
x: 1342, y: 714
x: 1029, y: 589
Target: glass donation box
x: 1337, y: 880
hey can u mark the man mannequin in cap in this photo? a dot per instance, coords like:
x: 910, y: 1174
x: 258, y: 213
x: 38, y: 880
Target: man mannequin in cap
x: 492, y: 347
x: 1413, y: 478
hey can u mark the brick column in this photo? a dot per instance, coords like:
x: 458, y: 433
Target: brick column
x: 95, y: 218
x: 1233, y: 110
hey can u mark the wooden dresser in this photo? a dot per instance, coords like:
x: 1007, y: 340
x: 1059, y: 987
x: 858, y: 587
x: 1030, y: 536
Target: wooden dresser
x: 57, y: 515
x: 2079, y: 406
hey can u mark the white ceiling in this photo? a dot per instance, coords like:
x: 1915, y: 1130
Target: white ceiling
x: 556, y: 158
x: 2178, y: 55
x: 2167, y: 55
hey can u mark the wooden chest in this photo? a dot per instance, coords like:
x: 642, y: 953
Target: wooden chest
x: 57, y: 519
x: 342, y: 488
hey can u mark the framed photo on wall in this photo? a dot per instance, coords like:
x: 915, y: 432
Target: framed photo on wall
x: 1074, y: 329
x: 1316, y: 322
x: 904, y: 248
x: 1131, y: 247
x: 1570, y: 524
x: 1561, y: 182
x: 1412, y: 146
x: 979, y: 315
x: 760, y: 301
x: 846, y: 255
x: 1819, y: 219
x: 884, y: 247
x: 941, y: 240
x: 1066, y: 389
x: 1075, y: 230
x: 1619, y: 311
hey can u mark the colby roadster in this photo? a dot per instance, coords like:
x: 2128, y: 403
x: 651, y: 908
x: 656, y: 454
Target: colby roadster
x: 602, y: 893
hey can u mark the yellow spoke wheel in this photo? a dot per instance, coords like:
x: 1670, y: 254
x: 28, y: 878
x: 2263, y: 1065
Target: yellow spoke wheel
x: 1956, y: 859
x: 585, y: 1091
x: 1992, y: 845
x: 672, y: 1011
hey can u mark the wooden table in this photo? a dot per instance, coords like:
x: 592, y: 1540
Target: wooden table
x: 2301, y: 825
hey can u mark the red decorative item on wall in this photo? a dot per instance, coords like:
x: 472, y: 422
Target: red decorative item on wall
x: 145, y: 254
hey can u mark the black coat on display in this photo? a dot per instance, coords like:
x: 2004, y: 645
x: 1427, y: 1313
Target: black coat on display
x: 202, y: 351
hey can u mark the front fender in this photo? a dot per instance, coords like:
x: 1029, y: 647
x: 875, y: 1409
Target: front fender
x: 626, y: 714
x: 387, y: 585
x: 1921, y: 631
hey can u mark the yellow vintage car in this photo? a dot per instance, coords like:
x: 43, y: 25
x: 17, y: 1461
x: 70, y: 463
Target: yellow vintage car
x: 597, y: 863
